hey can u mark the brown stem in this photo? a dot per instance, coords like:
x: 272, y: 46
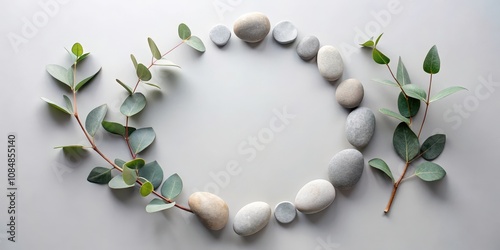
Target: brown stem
x: 395, y: 188
x: 402, y: 90
x: 427, y: 103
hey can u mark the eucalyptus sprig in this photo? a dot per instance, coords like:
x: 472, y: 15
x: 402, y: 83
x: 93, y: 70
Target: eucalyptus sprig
x: 405, y: 141
x: 147, y: 176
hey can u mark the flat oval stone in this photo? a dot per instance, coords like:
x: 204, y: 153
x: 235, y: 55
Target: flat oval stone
x: 330, y: 63
x: 252, y: 27
x: 212, y: 211
x: 308, y: 47
x: 220, y: 35
x: 345, y: 168
x: 285, y: 212
x: 349, y: 93
x: 285, y: 32
x: 360, y: 126
x: 315, y: 196
x: 252, y: 218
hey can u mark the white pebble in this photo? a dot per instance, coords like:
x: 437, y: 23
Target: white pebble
x: 330, y: 63
x: 252, y: 218
x: 285, y: 32
x: 315, y: 196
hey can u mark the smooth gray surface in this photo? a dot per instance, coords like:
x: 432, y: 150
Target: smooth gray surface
x: 209, y: 110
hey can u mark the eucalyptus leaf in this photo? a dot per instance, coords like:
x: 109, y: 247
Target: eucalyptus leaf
x: 394, y: 115
x: 73, y: 151
x: 378, y: 39
x: 152, y: 85
x: 432, y: 63
x: 433, y: 146
x: 116, y: 128
x: 153, y: 172
x: 405, y: 142
x: 166, y: 63
x: 61, y: 74
x: 70, y: 147
x: 77, y: 49
x: 100, y: 175
x: 136, y: 163
x: 54, y: 105
x: 184, y: 31
x: 402, y: 74
x: 408, y: 108
x: 382, y: 166
x: 154, y: 49
x: 196, y: 43
x: 125, y: 86
x: 146, y: 189
x: 368, y: 44
x: 82, y: 57
x: 133, y: 104
x: 143, y: 72
x: 95, y: 118
x: 379, y: 57
x: 119, y: 162
x: 429, y: 171
x: 129, y: 175
x: 415, y: 91
x: 69, y: 104
x: 118, y: 183
x: 386, y: 82
x: 134, y: 61
x: 446, y: 92
x: 141, y: 139
x: 86, y: 80
x: 157, y: 205
x: 172, y: 186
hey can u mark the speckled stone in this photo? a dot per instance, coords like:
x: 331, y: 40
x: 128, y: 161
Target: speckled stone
x: 212, y: 211
x: 285, y: 212
x: 285, y: 32
x: 360, y: 126
x: 349, y: 93
x: 345, y: 168
x: 252, y: 27
x: 220, y: 35
x: 330, y: 63
x: 308, y: 48
x: 315, y: 196
x: 252, y: 218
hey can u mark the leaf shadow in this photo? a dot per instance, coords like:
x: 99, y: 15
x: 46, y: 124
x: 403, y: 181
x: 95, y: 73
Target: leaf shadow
x: 59, y: 117
x: 439, y: 188
x: 75, y: 154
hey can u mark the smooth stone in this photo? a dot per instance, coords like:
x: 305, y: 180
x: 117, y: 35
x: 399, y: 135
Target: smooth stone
x: 360, y: 126
x: 285, y: 32
x: 315, y: 196
x: 308, y: 48
x: 349, y: 93
x: 252, y: 218
x: 330, y: 63
x: 252, y: 27
x: 220, y: 35
x: 212, y: 211
x: 345, y: 168
x: 285, y: 212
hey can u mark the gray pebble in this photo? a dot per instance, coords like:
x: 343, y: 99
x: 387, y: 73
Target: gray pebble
x: 345, y: 168
x: 285, y: 32
x: 252, y: 218
x: 308, y: 47
x: 360, y: 126
x: 220, y: 35
x: 285, y: 212
x: 252, y: 27
x: 330, y: 63
x: 349, y: 93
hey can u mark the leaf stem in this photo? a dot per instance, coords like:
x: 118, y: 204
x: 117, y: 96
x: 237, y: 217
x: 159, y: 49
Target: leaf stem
x: 402, y: 90
x: 427, y: 103
x: 395, y: 188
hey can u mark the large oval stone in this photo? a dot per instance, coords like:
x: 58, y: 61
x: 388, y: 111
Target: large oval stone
x: 330, y: 63
x: 252, y: 27
x: 315, y: 196
x: 345, y: 168
x: 212, y: 211
x: 252, y: 218
x: 349, y: 93
x: 360, y: 126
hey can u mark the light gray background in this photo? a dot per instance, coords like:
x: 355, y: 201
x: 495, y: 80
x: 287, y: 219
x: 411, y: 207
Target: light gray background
x: 220, y: 98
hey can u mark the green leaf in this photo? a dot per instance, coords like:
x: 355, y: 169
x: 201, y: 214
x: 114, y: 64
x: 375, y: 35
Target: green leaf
x: 133, y: 104
x: 77, y: 49
x: 153, y: 172
x: 120, y: 162
x: 387, y: 82
x: 172, y: 186
x: 431, y: 61
x: 394, y: 115
x: 146, y: 189
x: 82, y: 57
x: 184, y: 31
x: 129, y: 175
x: 429, y: 171
x: 446, y: 92
x: 143, y: 72
x: 136, y: 163
x: 116, y: 128
x: 196, y: 43
x: 95, y: 118
x: 378, y: 39
x: 382, y: 166
x: 408, y: 108
x: 415, y: 91
x: 61, y: 74
x: 433, y: 146
x: 125, y: 86
x: 379, y: 57
x: 54, y: 105
x: 74, y: 147
x: 154, y: 49
x: 167, y: 63
x: 152, y: 85
x: 134, y: 61
x: 157, y: 205
x: 402, y: 73
x: 100, y: 175
x: 368, y: 44
x: 141, y: 139
x: 118, y: 183
x: 405, y: 142
x: 69, y: 105
x: 86, y: 80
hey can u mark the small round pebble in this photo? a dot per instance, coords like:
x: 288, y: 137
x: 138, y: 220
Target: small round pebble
x: 285, y: 32
x: 315, y: 196
x: 252, y: 218
x: 220, y: 35
x: 345, y: 168
x: 349, y: 93
x: 360, y: 127
x: 308, y: 48
x: 285, y: 212
x: 330, y: 63
x: 210, y: 209
x: 252, y: 27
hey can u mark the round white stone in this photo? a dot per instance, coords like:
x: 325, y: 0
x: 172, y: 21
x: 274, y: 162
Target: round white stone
x: 308, y: 47
x: 285, y: 212
x: 360, y: 126
x: 315, y: 196
x: 252, y: 218
x: 330, y: 63
x: 349, y: 93
x: 345, y: 168
x: 285, y: 32
x: 252, y: 27
x: 220, y: 35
